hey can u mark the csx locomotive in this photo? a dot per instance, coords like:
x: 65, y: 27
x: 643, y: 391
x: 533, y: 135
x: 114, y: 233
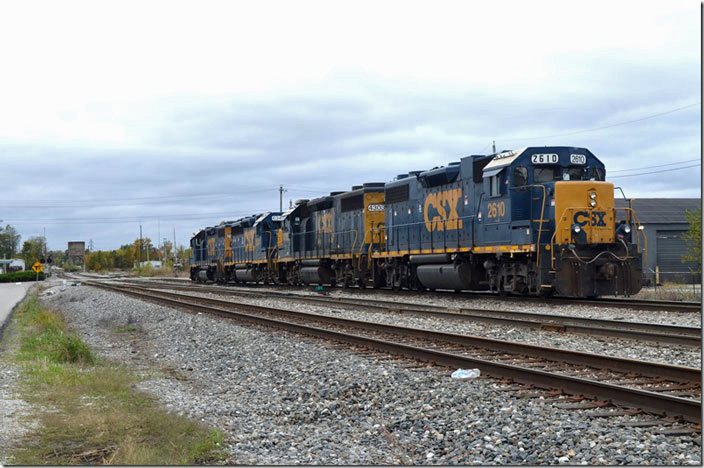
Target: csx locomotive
x: 534, y: 221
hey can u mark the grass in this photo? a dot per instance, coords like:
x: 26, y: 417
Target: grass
x: 148, y: 270
x: 127, y: 329
x: 89, y: 411
x: 672, y: 292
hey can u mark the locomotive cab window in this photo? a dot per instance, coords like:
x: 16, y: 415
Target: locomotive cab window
x: 520, y: 176
x: 596, y: 173
x: 545, y: 174
x: 495, y: 185
x: 573, y: 173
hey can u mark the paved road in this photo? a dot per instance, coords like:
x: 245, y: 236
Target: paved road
x: 10, y: 295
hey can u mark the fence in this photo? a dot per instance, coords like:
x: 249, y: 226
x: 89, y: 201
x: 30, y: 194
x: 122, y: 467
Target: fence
x: 658, y: 277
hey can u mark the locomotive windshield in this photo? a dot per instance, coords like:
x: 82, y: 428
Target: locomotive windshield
x: 573, y: 173
x: 551, y: 174
x: 546, y: 174
x: 596, y: 173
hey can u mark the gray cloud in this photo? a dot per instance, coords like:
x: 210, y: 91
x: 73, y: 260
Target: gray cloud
x: 348, y: 128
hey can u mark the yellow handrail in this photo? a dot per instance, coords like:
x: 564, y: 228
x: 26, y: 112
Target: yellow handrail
x: 540, y: 226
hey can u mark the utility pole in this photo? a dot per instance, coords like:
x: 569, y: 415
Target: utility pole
x: 158, y: 233
x: 281, y: 197
x: 140, y: 244
x: 174, y: 247
x: 493, y: 146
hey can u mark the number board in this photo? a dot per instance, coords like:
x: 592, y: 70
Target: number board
x: 578, y: 159
x: 545, y: 158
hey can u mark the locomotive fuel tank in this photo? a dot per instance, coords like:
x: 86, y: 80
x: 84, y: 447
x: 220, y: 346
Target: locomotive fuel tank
x: 246, y: 274
x: 445, y: 276
x: 428, y: 259
x: 317, y: 275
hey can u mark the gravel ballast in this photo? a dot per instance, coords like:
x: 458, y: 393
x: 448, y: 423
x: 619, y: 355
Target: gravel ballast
x: 627, y: 348
x: 283, y: 398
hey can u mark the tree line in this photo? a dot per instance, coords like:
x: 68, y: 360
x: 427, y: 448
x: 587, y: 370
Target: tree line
x: 129, y: 255
x: 126, y: 257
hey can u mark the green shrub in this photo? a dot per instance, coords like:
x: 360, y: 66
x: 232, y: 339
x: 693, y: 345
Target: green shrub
x: 49, y: 338
x: 21, y: 276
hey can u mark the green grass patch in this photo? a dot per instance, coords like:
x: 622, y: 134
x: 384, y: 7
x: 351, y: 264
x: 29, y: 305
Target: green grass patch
x: 149, y: 271
x: 89, y: 411
x: 127, y: 329
x: 19, y: 276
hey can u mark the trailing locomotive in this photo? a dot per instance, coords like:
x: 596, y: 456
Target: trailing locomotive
x: 534, y: 221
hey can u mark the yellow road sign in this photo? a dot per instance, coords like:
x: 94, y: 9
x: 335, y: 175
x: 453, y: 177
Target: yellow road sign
x: 37, y: 267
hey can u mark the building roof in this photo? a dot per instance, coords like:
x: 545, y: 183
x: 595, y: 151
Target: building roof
x: 661, y: 210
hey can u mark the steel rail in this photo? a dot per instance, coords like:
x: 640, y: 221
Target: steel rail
x: 641, y: 304
x: 641, y: 331
x: 648, y: 401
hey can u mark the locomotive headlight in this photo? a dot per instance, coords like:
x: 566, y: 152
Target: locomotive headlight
x: 592, y: 203
x: 592, y: 195
x: 577, y: 228
x: 627, y: 229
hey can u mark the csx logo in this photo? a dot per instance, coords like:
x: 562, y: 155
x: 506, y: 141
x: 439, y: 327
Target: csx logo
x: 597, y: 218
x: 324, y: 223
x: 249, y: 241
x: 444, y: 210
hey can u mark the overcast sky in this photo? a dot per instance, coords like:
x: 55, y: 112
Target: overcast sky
x: 182, y: 114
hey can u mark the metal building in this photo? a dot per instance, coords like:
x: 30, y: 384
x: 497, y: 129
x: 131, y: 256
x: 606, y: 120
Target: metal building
x: 665, y: 222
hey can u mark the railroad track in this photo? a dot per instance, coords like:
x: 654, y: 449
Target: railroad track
x: 639, y: 304
x: 641, y: 331
x: 664, y: 390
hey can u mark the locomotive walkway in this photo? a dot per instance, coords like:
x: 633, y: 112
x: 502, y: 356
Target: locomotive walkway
x: 665, y: 390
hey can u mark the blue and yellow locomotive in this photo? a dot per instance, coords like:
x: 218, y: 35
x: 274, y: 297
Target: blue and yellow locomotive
x: 533, y: 221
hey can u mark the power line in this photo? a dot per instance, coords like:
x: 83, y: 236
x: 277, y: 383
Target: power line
x: 128, y: 201
x: 123, y: 219
x: 655, y: 172
x: 650, y: 167
x: 603, y: 127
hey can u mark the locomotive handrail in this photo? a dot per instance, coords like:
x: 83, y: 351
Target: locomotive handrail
x: 317, y: 249
x: 559, y: 221
x: 557, y: 225
x: 396, y: 227
x: 540, y: 225
x: 636, y: 227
